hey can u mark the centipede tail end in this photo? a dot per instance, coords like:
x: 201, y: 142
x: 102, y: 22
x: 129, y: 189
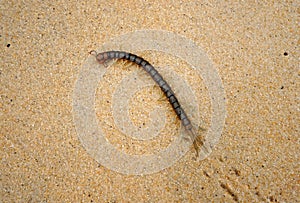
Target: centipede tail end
x: 198, y: 141
x: 199, y: 144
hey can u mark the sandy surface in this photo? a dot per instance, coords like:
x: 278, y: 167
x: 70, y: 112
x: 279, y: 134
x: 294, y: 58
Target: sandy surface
x: 253, y: 46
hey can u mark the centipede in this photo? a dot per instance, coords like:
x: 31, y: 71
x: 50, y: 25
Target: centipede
x: 197, y: 138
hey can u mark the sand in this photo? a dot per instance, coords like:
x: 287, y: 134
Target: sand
x: 253, y: 48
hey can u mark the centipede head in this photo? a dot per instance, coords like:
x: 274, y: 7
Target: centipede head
x: 100, y: 57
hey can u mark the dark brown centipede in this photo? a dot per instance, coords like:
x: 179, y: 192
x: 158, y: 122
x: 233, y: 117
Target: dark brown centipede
x: 109, y: 55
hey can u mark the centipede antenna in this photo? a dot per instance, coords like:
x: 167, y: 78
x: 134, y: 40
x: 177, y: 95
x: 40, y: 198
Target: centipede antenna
x: 93, y: 52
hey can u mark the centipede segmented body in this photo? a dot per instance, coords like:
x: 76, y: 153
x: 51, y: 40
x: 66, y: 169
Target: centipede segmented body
x: 164, y: 86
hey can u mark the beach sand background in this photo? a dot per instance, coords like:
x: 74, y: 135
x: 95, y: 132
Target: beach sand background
x: 254, y: 46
